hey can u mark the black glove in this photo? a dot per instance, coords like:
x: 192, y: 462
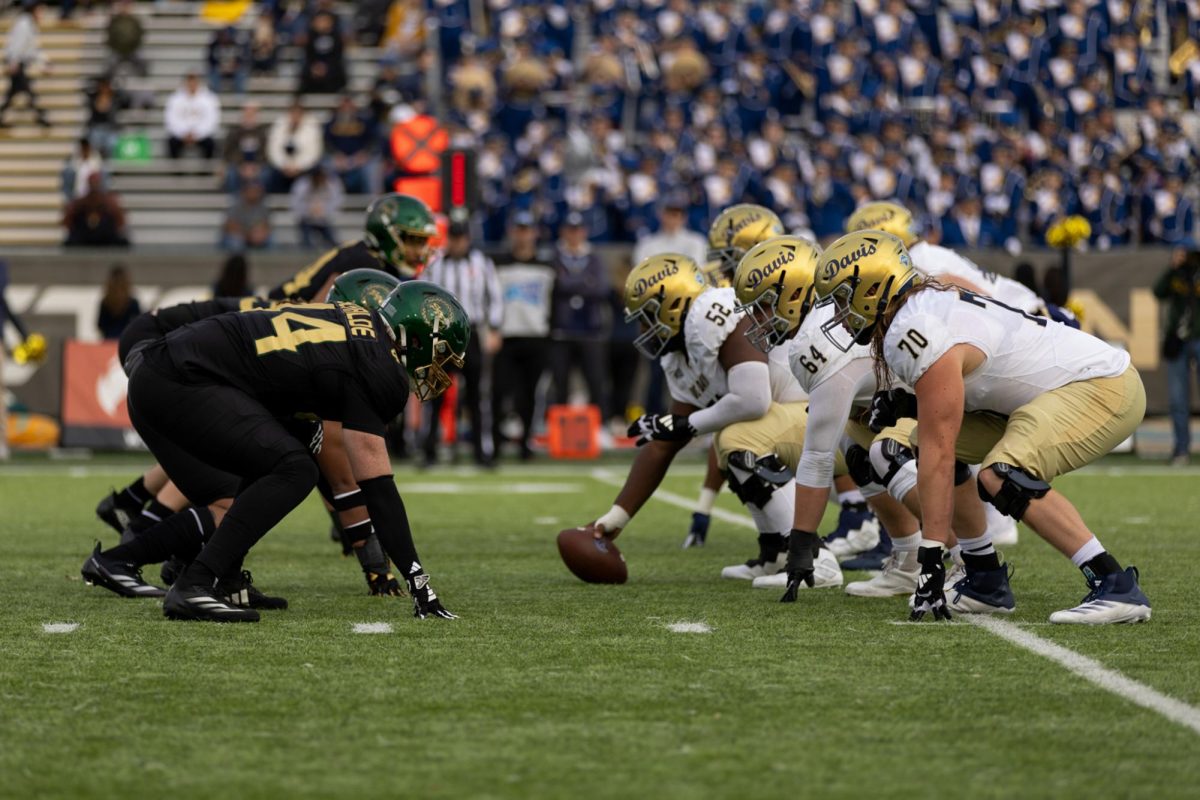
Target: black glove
x: 383, y: 584
x: 889, y: 406
x: 930, y: 594
x: 425, y: 602
x: 698, y: 533
x: 662, y: 428
x: 802, y: 551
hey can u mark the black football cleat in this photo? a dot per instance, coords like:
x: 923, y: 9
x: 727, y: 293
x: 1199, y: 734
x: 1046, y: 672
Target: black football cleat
x: 204, y: 604
x: 241, y: 591
x: 119, y: 577
x: 112, y: 513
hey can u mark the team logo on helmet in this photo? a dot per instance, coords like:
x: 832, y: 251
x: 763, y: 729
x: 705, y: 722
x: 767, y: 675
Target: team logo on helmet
x: 760, y: 274
x: 644, y: 284
x: 436, y: 312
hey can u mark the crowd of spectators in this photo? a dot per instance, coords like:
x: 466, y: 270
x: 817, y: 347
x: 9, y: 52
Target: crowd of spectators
x: 991, y: 119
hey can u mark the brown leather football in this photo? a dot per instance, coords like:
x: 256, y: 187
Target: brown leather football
x: 589, y: 559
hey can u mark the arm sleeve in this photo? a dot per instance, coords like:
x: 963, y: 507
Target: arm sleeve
x: 749, y: 397
x: 827, y: 414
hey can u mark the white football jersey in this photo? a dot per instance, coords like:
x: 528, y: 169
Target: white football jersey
x: 696, y: 375
x: 1025, y: 355
x: 933, y: 260
x: 813, y: 359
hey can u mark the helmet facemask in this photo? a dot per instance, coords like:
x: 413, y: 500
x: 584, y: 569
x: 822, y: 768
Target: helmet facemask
x: 768, y: 328
x: 656, y: 334
x: 847, y: 327
x: 426, y: 362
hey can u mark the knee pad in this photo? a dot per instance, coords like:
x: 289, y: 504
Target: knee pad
x: 962, y: 473
x: 753, y: 479
x: 888, y: 456
x: 1016, y: 491
x: 858, y: 463
x: 299, y: 469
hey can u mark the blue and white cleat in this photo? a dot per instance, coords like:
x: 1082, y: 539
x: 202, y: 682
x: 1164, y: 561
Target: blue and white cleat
x: 873, y: 559
x: 857, y: 531
x: 982, y: 592
x: 1114, y: 598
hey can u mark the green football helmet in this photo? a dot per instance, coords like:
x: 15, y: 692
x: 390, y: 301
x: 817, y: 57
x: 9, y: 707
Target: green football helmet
x: 399, y: 227
x: 431, y: 330
x: 365, y: 287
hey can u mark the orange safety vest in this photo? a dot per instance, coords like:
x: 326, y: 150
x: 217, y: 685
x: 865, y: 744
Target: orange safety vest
x: 418, y: 143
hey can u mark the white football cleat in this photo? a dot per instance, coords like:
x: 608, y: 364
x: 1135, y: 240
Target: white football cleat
x: 899, y: 576
x: 755, y: 568
x: 827, y: 574
x: 858, y: 540
x: 1003, y: 528
x: 1114, y: 598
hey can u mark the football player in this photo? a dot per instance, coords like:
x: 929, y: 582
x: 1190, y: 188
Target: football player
x: 1058, y: 399
x: 775, y: 286
x: 340, y: 362
x: 732, y: 234
x: 719, y: 384
x: 952, y: 269
x: 368, y: 288
x: 398, y: 232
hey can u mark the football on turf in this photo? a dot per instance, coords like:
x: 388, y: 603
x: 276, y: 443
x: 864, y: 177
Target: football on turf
x: 590, y: 559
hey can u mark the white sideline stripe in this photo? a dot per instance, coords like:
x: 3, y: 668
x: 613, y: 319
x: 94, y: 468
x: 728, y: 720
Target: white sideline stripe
x: 455, y: 487
x: 372, y: 627
x: 606, y: 477
x: 689, y: 627
x: 1089, y: 669
x: 60, y: 627
x: 545, y: 520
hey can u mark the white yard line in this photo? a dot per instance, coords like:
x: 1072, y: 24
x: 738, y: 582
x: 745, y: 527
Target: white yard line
x: 1089, y: 669
x: 689, y: 627
x: 60, y: 627
x: 372, y: 627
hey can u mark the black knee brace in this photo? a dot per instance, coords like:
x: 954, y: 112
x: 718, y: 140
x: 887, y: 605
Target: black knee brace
x: 1015, y: 494
x: 858, y: 463
x: 895, y: 456
x: 766, y: 475
x: 962, y: 473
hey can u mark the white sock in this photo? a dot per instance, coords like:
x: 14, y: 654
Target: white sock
x: 979, y: 546
x: 852, y: 496
x: 906, y: 544
x: 1090, y: 550
x: 956, y: 554
x: 707, y: 498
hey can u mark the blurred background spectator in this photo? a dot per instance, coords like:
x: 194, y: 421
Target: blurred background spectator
x: 1179, y: 289
x: 526, y: 279
x: 350, y: 140
x: 316, y: 200
x: 579, y: 318
x: 234, y: 278
x: 471, y: 276
x: 22, y: 57
x: 293, y: 146
x: 672, y: 235
x: 118, y: 306
x: 104, y: 105
x: 123, y: 35
x: 80, y: 167
x: 228, y: 60
x: 96, y: 218
x: 245, y: 151
x: 323, y: 69
x: 192, y: 117
x: 264, y: 44
x: 248, y: 220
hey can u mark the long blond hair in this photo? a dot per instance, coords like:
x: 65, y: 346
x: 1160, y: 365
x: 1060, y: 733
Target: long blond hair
x: 883, y: 373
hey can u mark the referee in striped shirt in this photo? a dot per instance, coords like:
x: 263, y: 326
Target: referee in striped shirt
x: 471, y: 277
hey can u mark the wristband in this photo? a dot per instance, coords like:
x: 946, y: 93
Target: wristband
x: 616, y: 519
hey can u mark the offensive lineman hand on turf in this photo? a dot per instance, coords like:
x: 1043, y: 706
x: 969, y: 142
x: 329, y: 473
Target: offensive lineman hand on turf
x: 698, y: 533
x: 662, y: 428
x: 890, y: 405
x: 425, y: 602
x: 384, y: 584
x: 930, y: 594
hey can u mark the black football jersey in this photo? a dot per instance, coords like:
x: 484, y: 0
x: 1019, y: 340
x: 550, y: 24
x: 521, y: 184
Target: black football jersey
x: 305, y: 284
x: 335, y: 361
x: 172, y: 317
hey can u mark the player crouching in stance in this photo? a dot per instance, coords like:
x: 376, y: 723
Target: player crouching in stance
x: 721, y: 384
x: 207, y: 401
x: 775, y: 286
x: 1061, y: 399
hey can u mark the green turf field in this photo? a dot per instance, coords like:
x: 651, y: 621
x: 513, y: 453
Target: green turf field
x: 550, y: 688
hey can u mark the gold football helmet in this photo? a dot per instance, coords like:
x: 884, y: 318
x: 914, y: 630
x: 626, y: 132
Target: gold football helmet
x: 733, y: 233
x: 774, y: 283
x: 863, y: 272
x: 658, y: 293
x: 891, y: 218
